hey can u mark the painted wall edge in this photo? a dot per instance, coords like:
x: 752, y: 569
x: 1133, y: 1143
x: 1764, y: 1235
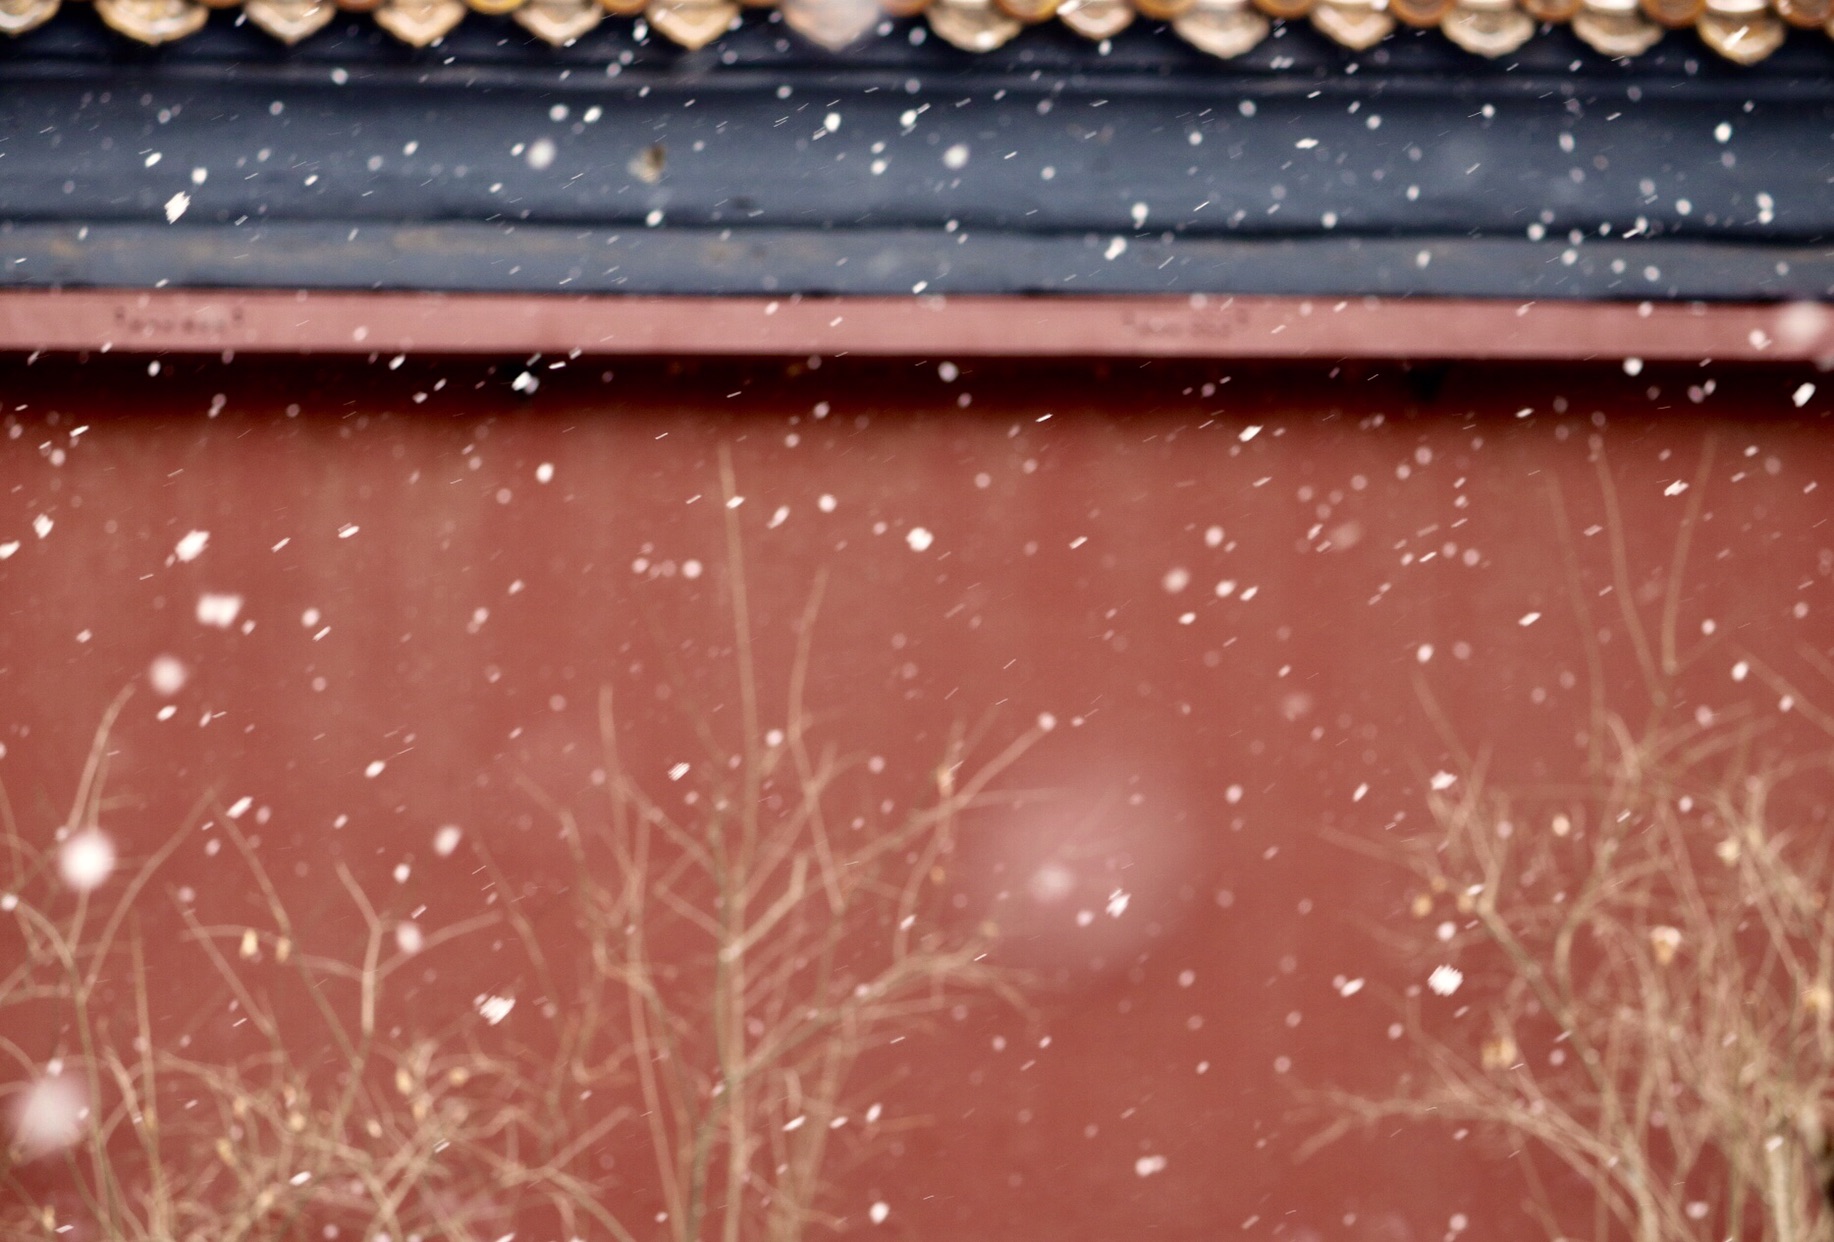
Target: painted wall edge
x: 1192, y: 326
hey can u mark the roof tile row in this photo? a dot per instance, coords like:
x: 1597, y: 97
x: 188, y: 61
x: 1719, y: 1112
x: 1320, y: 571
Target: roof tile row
x: 1745, y: 31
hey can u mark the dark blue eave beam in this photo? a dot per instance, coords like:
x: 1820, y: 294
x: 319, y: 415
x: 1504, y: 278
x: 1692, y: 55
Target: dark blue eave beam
x: 760, y: 166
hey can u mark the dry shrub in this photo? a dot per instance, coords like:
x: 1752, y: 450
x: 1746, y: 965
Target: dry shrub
x: 1647, y: 954
x: 719, y: 967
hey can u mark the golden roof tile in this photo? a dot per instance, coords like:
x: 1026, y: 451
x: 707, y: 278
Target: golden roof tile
x: 1744, y: 31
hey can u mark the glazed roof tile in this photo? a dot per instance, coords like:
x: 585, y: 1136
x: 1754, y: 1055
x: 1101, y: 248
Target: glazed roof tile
x: 1744, y: 31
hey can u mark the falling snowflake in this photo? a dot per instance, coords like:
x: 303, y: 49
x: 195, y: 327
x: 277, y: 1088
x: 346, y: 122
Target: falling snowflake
x: 49, y: 1115
x: 1051, y: 882
x: 219, y: 610
x: 1445, y: 980
x: 192, y: 545
x: 493, y: 1009
x: 86, y: 860
x: 1146, y: 1166
x: 167, y: 674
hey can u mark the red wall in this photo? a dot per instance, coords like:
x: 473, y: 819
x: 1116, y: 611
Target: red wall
x: 464, y: 615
